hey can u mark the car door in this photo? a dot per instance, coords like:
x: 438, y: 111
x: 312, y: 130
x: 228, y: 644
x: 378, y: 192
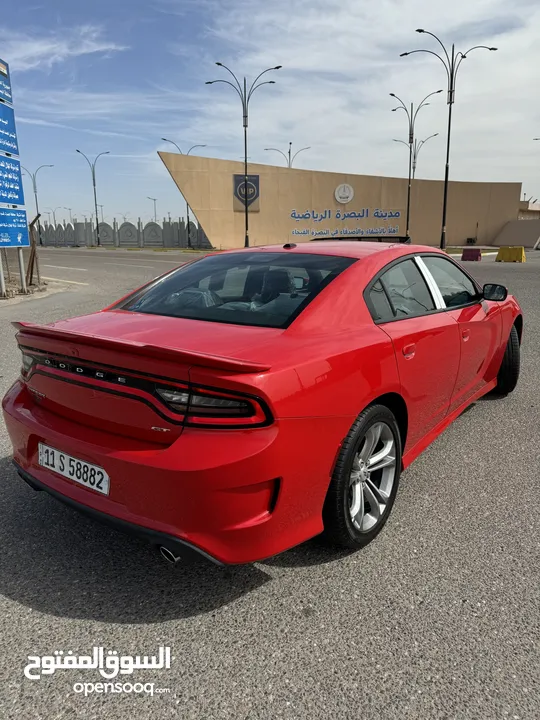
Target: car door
x: 479, y: 325
x: 425, y: 339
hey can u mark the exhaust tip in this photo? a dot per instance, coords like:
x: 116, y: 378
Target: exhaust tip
x: 169, y: 556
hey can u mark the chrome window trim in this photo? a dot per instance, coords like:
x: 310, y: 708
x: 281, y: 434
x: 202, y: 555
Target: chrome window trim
x: 430, y: 281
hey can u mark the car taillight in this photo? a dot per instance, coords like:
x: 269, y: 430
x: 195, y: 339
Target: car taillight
x: 215, y: 407
x: 27, y: 362
x: 177, y: 400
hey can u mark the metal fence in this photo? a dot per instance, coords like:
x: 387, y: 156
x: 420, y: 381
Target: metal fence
x: 126, y: 235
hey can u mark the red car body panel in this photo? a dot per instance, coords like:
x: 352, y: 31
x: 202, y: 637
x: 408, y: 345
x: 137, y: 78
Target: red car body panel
x: 243, y: 494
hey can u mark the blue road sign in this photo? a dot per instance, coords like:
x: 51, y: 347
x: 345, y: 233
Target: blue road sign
x: 8, y: 133
x: 13, y: 228
x: 11, y: 187
x: 5, y: 82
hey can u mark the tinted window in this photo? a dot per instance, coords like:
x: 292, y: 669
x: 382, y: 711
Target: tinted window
x: 380, y: 308
x: 456, y: 288
x: 407, y: 290
x: 254, y: 288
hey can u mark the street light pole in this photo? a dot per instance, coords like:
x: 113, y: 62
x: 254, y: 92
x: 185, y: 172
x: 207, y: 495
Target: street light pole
x: 245, y: 96
x: 411, y: 117
x: 418, y: 145
x: 93, y: 171
x: 154, y: 200
x: 70, y: 215
x: 34, y: 187
x: 53, y: 210
x: 289, y: 158
x: 451, y: 62
x: 187, y: 204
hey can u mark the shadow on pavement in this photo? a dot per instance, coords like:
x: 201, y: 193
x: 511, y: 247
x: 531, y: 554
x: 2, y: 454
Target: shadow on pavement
x: 313, y: 552
x: 59, y: 562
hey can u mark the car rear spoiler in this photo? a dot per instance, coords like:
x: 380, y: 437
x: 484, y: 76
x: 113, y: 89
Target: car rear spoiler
x: 26, y: 331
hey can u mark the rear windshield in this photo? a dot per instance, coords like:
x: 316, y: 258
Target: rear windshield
x: 259, y: 288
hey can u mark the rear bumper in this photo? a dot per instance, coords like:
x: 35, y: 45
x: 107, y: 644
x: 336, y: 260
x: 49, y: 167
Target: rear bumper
x: 234, y: 496
x: 186, y: 552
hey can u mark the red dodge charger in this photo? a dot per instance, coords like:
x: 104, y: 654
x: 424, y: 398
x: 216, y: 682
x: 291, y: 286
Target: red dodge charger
x: 250, y: 400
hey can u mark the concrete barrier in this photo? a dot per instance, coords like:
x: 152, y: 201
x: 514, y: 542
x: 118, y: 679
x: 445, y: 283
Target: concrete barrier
x: 511, y: 254
x: 471, y: 254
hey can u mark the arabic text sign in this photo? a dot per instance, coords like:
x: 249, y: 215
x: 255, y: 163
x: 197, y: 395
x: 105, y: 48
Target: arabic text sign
x: 361, y: 214
x: 13, y: 228
x: 5, y: 82
x: 11, y: 187
x: 8, y: 133
x: 356, y: 232
x: 109, y: 664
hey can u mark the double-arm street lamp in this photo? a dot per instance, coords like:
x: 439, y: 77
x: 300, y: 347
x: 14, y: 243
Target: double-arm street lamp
x: 154, y: 200
x: 187, y: 204
x: 411, y: 118
x: 53, y: 210
x: 93, y: 171
x: 245, y: 96
x: 289, y: 158
x: 417, y: 146
x: 452, y: 61
x: 34, y: 187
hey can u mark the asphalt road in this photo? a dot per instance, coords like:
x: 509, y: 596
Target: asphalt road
x: 438, y: 618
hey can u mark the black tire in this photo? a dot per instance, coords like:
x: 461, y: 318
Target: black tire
x: 509, y: 373
x: 339, y: 528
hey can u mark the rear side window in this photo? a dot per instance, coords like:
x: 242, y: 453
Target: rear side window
x: 407, y: 290
x: 257, y: 288
x: 380, y: 307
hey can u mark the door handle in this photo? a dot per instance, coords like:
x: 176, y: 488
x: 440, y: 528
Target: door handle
x: 409, y: 350
x: 465, y: 335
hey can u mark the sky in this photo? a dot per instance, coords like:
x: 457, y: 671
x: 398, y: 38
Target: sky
x: 115, y: 76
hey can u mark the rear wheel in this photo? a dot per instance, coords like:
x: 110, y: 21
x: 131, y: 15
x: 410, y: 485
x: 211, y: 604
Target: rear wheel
x: 509, y: 372
x: 365, y: 480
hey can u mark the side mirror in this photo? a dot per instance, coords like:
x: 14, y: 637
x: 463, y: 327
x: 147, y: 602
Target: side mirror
x: 299, y: 283
x: 495, y: 292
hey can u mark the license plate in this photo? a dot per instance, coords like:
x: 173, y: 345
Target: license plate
x: 91, y: 476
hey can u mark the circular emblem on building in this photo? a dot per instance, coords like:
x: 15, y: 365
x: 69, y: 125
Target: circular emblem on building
x: 344, y: 193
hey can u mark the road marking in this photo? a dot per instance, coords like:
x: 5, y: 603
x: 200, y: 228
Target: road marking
x: 172, y: 262
x: 148, y: 267
x: 61, y: 280
x: 65, y: 267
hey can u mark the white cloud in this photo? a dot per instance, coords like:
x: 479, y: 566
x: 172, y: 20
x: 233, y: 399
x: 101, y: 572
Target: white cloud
x: 341, y: 60
x: 41, y: 50
x: 61, y: 126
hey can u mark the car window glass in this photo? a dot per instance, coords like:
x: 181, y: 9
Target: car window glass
x: 456, y: 288
x: 260, y: 288
x: 381, y: 310
x: 407, y: 290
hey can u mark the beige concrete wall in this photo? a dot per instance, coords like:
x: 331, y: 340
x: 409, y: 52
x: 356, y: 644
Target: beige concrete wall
x: 529, y: 211
x: 207, y: 184
x: 519, y: 232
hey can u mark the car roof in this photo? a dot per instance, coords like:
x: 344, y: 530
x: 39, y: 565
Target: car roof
x: 343, y: 248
